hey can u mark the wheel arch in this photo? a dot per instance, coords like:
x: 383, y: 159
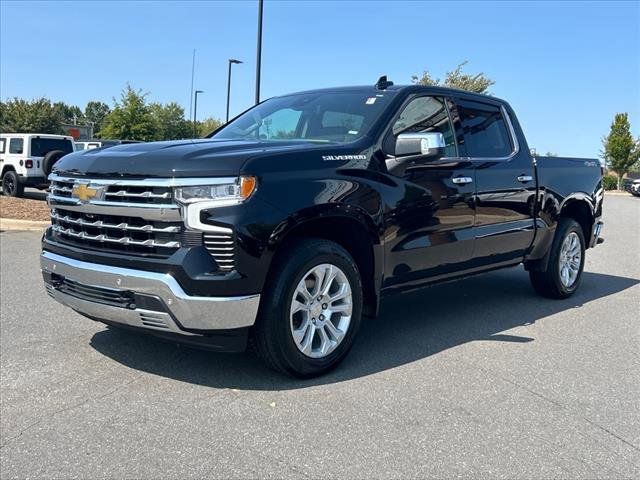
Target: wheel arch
x: 349, y: 227
x: 7, y: 168
x: 580, y: 208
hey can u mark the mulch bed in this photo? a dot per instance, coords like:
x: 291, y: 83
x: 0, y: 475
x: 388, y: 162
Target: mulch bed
x: 23, y: 209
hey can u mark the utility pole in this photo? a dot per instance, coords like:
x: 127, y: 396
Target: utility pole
x: 259, y: 53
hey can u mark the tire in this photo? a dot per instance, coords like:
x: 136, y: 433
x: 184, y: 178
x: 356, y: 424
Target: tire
x: 273, y: 336
x: 50, y: 160
x: 551, y: 283
x: 11, y: 185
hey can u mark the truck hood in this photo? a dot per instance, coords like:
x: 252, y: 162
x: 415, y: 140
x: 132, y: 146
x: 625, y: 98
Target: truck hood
x: 183, y: 158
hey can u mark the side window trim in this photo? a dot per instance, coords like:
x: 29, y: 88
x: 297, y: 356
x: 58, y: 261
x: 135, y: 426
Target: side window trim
x: 446, y: 99
x: 512, y: 133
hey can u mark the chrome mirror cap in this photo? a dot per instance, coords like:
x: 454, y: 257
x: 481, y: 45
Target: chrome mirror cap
x: 428, y: 144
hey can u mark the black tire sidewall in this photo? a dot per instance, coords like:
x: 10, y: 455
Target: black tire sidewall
x: 16, y: 182
x: 50, y: 159
x: 565, y: 227
x: 276, y: 312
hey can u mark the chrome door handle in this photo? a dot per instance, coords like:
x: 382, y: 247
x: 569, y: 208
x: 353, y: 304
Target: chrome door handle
x: 525, y: 178
x: 462, y: 180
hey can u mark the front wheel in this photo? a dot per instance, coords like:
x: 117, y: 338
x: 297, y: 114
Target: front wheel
x: 566, y: 262
x: 310, y: 311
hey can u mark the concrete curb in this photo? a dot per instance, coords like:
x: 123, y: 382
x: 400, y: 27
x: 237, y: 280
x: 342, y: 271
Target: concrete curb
x: 13, y: 224
x: 623, y: 194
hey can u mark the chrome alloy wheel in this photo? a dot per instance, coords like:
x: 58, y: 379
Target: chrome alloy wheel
x: 320, y: 311
x: 570, y: 260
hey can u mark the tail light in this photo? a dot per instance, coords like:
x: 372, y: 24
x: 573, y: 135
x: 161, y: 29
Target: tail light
x: 28, y: 163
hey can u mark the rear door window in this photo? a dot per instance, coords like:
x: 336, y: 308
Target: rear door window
x: 484, y: 130
x: 41, y: 146
x: 16, y: 145
x: 3, y: 142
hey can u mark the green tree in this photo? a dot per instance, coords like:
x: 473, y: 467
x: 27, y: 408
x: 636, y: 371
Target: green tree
x: 620, y: 150
x: 130, y: 118
x: 208, y: 125
x: 69, y: 113
x: 35, y: 116
x: 478, y: 83
x: 169, y: 122
x: 95, y: 112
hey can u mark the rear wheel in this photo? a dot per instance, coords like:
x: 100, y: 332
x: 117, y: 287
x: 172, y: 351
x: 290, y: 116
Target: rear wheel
x: 11, y: 185
x: 311, y: 311
x: 566, y: 262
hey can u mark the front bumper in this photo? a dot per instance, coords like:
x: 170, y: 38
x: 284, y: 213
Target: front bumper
x: 149, y: 301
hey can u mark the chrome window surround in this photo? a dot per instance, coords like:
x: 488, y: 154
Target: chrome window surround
x: 505, y: 115
x: 512, y: 134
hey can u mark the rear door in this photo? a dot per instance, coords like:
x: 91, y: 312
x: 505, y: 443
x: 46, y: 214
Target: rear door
x: 430, y: 226
x: 505, y: 182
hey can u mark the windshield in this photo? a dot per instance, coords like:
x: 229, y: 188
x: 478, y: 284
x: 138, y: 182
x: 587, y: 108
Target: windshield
x: 336, y: 117
x: 41, y: 146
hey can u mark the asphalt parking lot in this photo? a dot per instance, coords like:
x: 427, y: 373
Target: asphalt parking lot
x: 478, y: 378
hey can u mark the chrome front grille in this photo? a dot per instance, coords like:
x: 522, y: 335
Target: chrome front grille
x: 76, y: 219
x: 137, y: 217
x: 123, y: 234
x: 221, y: 246
x: 117, y: 191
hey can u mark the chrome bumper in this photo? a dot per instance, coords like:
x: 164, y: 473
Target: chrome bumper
x: 596, y: 238
x: 91, y: 288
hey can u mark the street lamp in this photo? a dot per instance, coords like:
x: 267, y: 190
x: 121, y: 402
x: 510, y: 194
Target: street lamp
x: 231, y: 61
x: 195, y: 112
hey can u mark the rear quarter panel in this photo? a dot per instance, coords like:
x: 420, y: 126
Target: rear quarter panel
x: 564, y: 180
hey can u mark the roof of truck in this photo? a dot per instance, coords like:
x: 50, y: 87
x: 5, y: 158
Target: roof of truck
x: 372, y: 89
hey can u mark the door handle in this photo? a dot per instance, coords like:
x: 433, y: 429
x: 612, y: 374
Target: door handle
x: 462, y: 180
x: 525, y: 178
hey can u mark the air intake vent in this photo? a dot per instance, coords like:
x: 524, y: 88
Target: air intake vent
x: 153, y: 319
x: 221, y: 247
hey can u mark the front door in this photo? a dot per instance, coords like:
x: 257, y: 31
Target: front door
x: 505, y: 183
x: 429, y: 228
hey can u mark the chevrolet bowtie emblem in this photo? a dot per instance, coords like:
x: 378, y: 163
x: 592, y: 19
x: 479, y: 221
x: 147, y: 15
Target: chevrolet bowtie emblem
x: 83, y: 192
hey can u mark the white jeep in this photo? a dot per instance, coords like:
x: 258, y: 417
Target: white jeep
x: 26, y: 159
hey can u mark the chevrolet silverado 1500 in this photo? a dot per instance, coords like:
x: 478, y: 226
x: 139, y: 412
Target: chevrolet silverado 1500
x: 289, y: 224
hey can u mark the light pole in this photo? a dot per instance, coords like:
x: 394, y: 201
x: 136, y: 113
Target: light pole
x: 259, y: 52
x: 195, y: 112
x: 231, y: 62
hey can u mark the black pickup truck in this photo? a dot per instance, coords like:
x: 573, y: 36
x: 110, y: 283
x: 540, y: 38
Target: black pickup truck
x: 294, y: 220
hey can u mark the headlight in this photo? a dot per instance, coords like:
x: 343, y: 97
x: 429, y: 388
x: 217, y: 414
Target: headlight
x: 224, y: 193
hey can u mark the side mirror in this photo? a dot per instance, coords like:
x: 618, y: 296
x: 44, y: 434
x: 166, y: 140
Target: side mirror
x: 413, y: 147
x: 429, y: 145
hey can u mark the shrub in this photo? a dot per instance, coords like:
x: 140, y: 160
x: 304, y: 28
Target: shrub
x: 610, y: 182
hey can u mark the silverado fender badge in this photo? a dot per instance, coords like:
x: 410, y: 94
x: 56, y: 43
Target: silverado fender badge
x: 331, y: 158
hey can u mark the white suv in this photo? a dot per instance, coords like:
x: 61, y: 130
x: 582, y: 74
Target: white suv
x: 27, y: 159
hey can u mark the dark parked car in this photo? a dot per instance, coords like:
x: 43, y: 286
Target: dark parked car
x: 293, y: 222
